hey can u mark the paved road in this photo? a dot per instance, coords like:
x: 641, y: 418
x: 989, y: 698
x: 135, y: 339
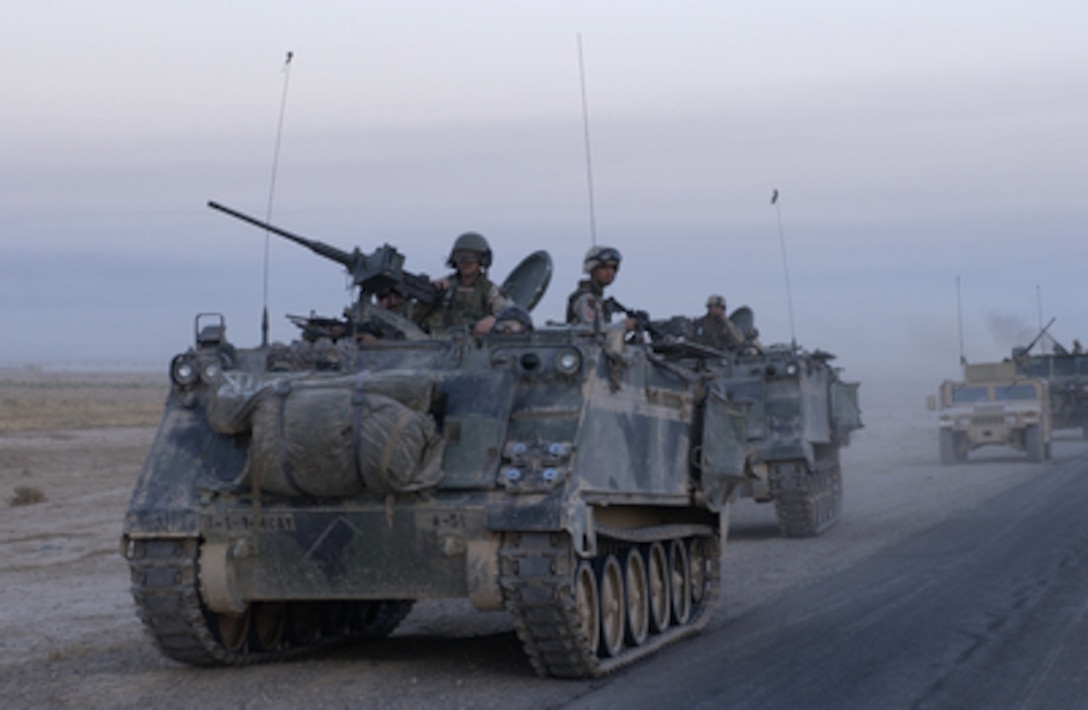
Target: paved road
x: 986, y: 610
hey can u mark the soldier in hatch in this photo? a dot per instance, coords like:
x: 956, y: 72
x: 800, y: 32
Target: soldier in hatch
x: 512, y: 321
x: 588, y: 301
x: 715, y: 329
x: 469, y: 298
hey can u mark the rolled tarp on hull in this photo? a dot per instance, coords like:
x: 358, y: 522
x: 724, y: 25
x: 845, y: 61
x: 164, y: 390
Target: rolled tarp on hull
x: 334, y: 436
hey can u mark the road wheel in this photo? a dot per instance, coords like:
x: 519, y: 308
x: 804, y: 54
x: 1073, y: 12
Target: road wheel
x: 588, y: 602
x: 637, y: 594
x: 232, y: 629
x: 612, y: 607
x: 679, y: 582
x: 268, y: 625
x: 657, y: 570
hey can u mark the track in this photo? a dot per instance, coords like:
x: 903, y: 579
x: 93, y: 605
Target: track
x: 807, y: 502
x: 578, y: 618
x: 165, y: 580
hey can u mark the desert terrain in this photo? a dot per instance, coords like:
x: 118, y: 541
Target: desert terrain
x: 71, y: 448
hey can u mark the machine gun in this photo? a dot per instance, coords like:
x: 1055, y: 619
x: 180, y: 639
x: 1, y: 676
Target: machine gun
x: 374, y: 273
x: 1022, y: 352
x: 642, y: 318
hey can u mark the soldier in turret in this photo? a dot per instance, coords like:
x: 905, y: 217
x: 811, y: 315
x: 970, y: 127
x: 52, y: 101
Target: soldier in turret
x: 715, y: 329
x: 469, y: 298
x: 587, y: 302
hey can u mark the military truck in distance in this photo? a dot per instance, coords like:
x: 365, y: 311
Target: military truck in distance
x: 305, y: 494
x: 992, y: 406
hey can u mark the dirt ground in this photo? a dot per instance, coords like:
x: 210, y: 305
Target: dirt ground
x: 71, y: 637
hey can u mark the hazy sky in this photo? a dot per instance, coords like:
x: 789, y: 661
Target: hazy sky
x: 911, y: 143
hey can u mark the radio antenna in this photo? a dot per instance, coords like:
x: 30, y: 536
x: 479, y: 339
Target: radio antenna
x: 272, y: 194
x: 589, y: 155
x: 1039, y: 308
x: 959, y: 319
x: 785, y: 265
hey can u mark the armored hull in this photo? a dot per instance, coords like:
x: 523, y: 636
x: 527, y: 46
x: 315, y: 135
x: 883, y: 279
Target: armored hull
x: 305, y: 495
x: 800, y: 413
x: 1067, y: 377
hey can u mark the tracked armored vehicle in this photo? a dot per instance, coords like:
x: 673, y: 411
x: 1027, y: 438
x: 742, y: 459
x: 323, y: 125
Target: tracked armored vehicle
x: 799, y: 414
x: 306, y: 494
x: 1066, y: 374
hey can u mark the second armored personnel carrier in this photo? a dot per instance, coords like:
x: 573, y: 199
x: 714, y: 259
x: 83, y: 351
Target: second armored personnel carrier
x: 306, y: 493
x: 992, y: 406
x: 800, y: 413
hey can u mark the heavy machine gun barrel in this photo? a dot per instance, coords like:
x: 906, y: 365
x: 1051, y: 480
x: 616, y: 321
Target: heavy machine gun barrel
x: 325, y: 250
x: 379, y: 271
x: 1042, y: 332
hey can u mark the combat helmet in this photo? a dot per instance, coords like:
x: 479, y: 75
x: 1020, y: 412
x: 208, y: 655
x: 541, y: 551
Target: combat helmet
x: 600, y: 255
x: 471, y: 241
x: 513, y: 319
x: 715, y: 299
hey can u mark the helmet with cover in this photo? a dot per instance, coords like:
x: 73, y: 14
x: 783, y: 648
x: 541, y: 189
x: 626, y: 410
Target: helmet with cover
x: 513, y: 319
x: 601, y: 256
x: 471, y: 242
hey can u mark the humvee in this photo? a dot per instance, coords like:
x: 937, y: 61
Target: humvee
x: 993, y: 406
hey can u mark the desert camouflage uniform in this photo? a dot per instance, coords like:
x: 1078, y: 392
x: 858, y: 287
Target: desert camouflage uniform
x: 720, y: 334
x: 587, y: 298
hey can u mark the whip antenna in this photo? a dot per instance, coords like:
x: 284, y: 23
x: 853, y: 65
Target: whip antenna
x: 589, y: 156
x: 1039, y: 308
x: 785, y: 265
x: 272, y: 194
x: 959, y: 319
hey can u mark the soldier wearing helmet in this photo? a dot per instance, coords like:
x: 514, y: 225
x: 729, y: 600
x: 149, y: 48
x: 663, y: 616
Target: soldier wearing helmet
x: 588, y: 301
x: 513, y: 320
x: 715, y: 329
x: 469, y: 297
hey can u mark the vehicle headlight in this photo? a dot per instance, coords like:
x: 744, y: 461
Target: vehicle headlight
x: 210, y: 372
x: 568, y: 361
x: 182, y: 371
x: 791, y: 369
x: 1010, y: 418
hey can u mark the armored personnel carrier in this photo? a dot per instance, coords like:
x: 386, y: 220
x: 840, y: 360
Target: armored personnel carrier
x: 303, y: 494
x: 1066, y: 374
x: 799, y: 414
x: 992, y: 406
